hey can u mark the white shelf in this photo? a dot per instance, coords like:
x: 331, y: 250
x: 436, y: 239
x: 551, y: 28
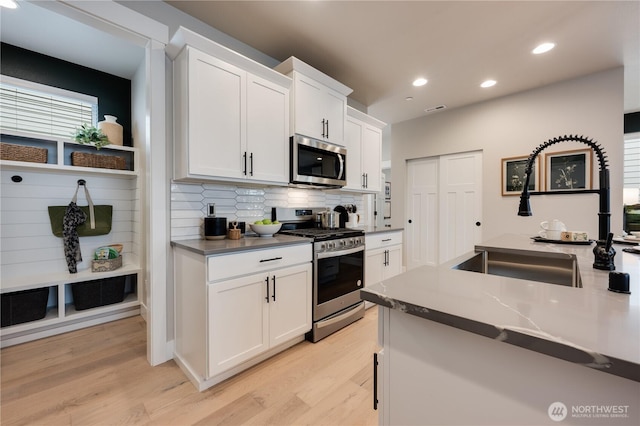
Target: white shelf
x: 37, y: 281
x: 61, y: 148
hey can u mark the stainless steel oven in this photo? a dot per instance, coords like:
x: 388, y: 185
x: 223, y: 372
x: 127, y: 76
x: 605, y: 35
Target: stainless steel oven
x: 338, y: 269
x: 315, y: 162
x: 338, y: 266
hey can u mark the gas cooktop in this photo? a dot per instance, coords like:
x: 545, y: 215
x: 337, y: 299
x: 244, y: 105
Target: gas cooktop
x: 323, y: 234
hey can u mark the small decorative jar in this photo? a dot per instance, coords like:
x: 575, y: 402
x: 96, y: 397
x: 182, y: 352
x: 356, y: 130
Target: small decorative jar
x: 112, y: 129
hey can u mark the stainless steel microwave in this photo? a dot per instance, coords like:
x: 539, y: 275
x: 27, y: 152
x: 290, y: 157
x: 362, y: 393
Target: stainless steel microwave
x: 315, y: 162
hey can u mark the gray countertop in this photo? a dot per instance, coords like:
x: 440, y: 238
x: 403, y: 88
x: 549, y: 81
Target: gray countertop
x: 377, y: 229
x: 590, y: 326
x: 248, y: 242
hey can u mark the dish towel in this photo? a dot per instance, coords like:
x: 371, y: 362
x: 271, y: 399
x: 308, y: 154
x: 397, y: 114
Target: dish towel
x: 73, y: 217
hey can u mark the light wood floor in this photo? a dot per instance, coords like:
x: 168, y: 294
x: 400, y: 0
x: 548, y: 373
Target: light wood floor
x: 100, y: 376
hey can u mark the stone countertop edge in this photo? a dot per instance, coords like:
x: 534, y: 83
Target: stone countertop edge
x: 246, y: 243
x: 396, y: 293
x: 602, y: 362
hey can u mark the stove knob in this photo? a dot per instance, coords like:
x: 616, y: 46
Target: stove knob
x: 343, y: 243
x: 322, y: 247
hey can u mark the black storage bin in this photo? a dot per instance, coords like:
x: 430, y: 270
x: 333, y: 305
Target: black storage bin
x: 24, y: 306
x: 94, y: 293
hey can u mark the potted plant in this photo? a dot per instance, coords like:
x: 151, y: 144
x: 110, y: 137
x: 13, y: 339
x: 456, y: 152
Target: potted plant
x: 87, y: 134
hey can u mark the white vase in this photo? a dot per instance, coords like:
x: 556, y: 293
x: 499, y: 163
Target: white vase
x: 112, y: 129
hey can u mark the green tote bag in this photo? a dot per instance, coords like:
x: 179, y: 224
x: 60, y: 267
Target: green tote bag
x: 98, y: 216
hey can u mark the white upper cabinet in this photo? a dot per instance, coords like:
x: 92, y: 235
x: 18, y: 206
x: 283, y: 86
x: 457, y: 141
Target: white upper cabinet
x: 319, y: 103
x: 364, y: 151
x: 231, y: 114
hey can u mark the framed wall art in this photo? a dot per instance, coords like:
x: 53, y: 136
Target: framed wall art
x: 568, y: 170
x: 513, y: 175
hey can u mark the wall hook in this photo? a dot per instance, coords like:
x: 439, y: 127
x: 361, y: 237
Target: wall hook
x: 82, y: 182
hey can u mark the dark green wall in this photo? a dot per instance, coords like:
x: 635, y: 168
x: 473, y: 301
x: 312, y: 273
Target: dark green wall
x: 113, y: 93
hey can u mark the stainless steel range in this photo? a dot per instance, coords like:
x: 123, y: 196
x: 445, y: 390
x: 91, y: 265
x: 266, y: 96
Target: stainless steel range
x: 338, y: 270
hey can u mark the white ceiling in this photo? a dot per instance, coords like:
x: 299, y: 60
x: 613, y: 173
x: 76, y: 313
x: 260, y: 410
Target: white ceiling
x: 378, y: 47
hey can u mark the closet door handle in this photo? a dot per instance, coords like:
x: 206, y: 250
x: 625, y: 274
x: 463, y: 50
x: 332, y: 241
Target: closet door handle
x: 375, y: 381
x: 274, y: 288
x: 266, y: 280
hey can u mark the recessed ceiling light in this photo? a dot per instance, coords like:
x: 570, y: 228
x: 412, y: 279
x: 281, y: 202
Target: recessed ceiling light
x: 488, y: 83
x: 543, y: 48
x: 419, y: 82
x: 9, y: 4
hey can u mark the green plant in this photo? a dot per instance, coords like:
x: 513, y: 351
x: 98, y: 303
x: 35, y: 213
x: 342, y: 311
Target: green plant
x: 86, y: 134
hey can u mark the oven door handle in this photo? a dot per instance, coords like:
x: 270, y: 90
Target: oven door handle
x: 340, y: 317
x: 339, y: 253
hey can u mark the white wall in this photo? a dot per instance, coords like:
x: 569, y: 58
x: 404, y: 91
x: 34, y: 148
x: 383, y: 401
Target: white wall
x: 513, y: 126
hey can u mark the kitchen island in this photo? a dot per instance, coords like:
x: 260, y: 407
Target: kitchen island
x: 572, y: 353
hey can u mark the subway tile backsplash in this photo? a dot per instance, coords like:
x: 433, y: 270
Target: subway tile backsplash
x: 189, y: 204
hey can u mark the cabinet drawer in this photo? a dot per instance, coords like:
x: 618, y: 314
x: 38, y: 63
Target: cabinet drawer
x: 234, y: 265
x: 383, y: 239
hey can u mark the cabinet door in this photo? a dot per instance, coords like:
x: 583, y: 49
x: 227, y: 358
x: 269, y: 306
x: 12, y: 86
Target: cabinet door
x: 290, y: 304
x: 373, y: 267
x: 237, y: 320
x: 372, y: 157
x: 309, y: 98
x: 352, y: 141
x: 267, y: 131
x: 335, y: 112
x: 216, y: 131
x: 394, y: 262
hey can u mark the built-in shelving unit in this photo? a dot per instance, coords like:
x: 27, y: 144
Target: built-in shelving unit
x: 34, y: 259
x: 59, y: 154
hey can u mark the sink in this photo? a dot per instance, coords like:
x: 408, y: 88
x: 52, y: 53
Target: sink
x: 551, y: 268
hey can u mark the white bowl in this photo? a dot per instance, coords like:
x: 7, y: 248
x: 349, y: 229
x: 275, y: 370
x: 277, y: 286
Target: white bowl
x: 265, y: 230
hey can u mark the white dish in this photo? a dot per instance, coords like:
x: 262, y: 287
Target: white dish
x: 265, y: 230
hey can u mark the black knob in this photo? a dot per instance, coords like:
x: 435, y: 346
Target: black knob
x: 478, y: 224
x: 410, y: 221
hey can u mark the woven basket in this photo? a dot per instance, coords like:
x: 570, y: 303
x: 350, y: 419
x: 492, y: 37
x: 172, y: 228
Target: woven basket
x: 30, y: 154
x: 98, y: 161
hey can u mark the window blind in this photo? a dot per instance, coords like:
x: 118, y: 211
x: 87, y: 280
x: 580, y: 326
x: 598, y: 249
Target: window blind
x: 632, y: 163
x: 35, y: 108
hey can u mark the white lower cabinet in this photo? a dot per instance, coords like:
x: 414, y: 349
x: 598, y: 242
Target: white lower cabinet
x: 235, y: 310
x: 383, y: 257
x: 249, y: 315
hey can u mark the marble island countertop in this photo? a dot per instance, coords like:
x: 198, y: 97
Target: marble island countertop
x: 591, y: 326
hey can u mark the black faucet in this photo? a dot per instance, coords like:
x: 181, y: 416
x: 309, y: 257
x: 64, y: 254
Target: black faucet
x: 603, y: 251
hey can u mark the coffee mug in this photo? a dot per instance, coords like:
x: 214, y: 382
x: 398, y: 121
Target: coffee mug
x: 553, y: 225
